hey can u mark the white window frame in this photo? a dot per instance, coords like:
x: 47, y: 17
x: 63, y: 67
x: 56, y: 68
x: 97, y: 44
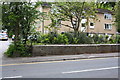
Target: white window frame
x: 109, y: 27
x: 92, y: 26
x: 108, y: 16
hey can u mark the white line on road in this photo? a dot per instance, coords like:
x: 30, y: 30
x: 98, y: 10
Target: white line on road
x: 90, y: 70
x: 13, y: 77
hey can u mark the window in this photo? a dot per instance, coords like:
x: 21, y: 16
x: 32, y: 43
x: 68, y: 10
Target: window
x: 83, y: 20
x: 108, y: 26
x: 83, y: 28
x: 83, y: 24
x: 91, y: 25
x: 107, y: 16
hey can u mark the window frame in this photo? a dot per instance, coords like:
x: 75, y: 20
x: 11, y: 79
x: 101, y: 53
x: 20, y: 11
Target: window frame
x: 108, y: 27
x: 107, y: 16
x: 92, y: 26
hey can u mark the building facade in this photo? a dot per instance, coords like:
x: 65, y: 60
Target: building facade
x: 103, y: 25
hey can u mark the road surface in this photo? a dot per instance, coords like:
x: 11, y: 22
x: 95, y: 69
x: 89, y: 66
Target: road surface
x: 89, y: 68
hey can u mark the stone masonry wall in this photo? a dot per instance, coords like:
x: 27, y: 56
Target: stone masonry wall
x: 43, y: 50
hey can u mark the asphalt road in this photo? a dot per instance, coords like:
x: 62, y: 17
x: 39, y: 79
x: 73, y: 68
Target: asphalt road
x: 89, y: 68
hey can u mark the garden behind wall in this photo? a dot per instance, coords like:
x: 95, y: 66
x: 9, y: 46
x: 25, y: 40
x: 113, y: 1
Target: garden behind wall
x: 44, y: 50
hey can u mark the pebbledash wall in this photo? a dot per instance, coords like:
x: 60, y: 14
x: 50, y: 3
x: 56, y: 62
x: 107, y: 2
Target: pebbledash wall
x: 44, y: 50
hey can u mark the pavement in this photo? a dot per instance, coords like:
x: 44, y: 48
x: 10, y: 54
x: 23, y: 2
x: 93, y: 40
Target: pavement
x: 6, y: 60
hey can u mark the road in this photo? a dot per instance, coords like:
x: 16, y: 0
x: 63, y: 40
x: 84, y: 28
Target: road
x: 89, y: 68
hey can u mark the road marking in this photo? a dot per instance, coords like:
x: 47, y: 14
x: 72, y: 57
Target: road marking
x: 52, y: 61
x: 90, y: 70
x: 13, y: 77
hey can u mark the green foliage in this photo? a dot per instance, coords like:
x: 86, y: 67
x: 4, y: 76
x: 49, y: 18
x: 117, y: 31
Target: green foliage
x: 117, y: 16
x: 47, y: 38
x: 83, y: 38
x: 98, y: 39
x: 106, y: 5
x: 19, y: 18
x: 53, y: 38
x: 18, y: 51
x: 65, y: 38
x: 10, y: 50
x: 75, y: 38
x: 117, y: 39
x: 70, y: 37
x: 78, y: 38
x: 73, y: 12
x: 61, y: 39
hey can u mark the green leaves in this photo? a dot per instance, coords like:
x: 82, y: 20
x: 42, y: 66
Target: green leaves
x: 73, y: 12
x: 117, y: 16
x: 19, y: 18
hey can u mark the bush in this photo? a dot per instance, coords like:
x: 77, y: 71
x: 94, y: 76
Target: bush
x: 20, y: 50
x: 10, y: 50
x: 47, y: 38
x: 77, y: 38
x: 60, y: 39
x: 53, y: 38
x: 99, y: 39
x: 83, y: 38
x: 117, y: 39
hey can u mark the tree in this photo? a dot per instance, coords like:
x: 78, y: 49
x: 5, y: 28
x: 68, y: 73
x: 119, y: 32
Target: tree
x: 19, y: 17
x: 117, y: 16
x: 73, y: 12
x: 106, y: 5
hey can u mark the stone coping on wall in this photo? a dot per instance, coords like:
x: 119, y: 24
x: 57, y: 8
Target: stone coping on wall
x: 75, y: 44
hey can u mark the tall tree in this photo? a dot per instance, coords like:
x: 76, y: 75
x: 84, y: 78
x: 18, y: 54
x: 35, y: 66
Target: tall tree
x: 117, y: 16
x: 73, y: 12
x: 20, y: 17
x: 106, y: 5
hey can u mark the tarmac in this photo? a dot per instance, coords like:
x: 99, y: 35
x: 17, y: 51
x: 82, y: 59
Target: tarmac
x: 6, y: 60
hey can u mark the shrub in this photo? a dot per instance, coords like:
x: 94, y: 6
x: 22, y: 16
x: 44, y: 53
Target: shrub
x: 83, y: 38
x: 20, y: 50
x: 76, y: 38
x: 47, y: 38
x: 53, y: 38
x: 117, y: 39
x: 70, y: 36
x: 99, y: 39
x: 10, y: 50
x: 61, y: 39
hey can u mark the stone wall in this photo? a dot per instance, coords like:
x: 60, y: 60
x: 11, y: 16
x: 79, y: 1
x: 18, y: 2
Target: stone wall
x: 43, y: 50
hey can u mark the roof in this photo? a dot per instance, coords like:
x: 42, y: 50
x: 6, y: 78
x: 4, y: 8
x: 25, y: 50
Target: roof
x: 104, y: 11
x: 46, y: 4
